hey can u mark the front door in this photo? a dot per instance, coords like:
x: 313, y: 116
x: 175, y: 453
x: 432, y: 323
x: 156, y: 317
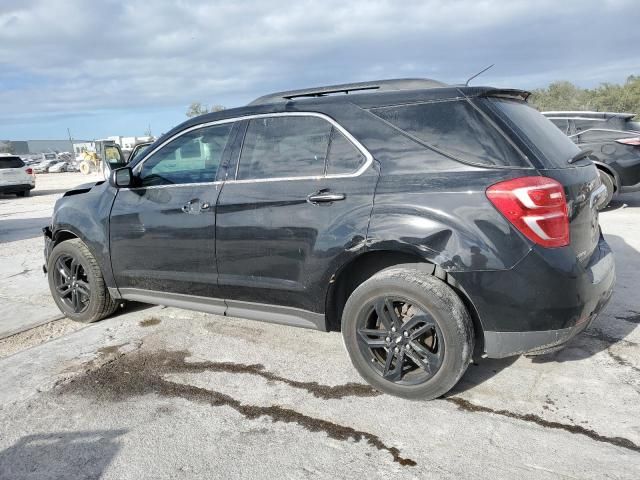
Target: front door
x: 162, y: 231
x: 299, y: 199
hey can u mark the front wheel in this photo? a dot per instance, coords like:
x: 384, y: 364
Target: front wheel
x: 76, y: 283
x: 408, y: 334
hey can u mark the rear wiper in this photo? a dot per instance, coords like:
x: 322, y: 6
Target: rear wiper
x: 580, y: 155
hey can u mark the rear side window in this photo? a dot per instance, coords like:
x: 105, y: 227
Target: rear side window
x: 455, y: 128
x: 343, y: 157
x: 11, y: 162
x: 277, y: 147
x: 553, y: 147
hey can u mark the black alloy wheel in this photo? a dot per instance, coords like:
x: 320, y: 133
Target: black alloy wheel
x: 72, y: 283
x: 403, y: 342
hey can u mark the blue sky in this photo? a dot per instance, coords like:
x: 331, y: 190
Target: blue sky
x: 110, y: 67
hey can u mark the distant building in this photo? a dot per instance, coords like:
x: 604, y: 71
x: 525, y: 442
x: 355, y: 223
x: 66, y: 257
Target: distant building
x: 127, y: 143
x: 16, y: 148
x: 25, y: 147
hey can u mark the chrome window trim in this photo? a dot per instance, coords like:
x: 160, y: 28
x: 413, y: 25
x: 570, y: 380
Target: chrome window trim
x: 173, y: 185
x: 351, y: 138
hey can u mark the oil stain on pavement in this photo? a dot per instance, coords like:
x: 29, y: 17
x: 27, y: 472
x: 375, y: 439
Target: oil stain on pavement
x: 149, y: 322
x: 466, y: 405
x: 140, y: 373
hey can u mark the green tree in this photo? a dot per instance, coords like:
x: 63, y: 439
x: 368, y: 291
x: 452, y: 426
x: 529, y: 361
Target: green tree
x: 197, y: 108
x: 607, y: 97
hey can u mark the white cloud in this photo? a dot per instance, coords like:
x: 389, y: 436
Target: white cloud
x: 76, y: 56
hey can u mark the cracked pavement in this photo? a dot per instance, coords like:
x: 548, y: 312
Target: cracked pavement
x: 166, y: 393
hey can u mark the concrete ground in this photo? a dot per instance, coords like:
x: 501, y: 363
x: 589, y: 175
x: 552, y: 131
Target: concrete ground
x: 166, y: 393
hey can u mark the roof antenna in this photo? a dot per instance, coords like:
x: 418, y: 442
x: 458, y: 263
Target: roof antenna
x: 466, y: 84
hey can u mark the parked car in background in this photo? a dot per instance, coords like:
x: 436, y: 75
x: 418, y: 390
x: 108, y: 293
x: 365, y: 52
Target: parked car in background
x: 43, y: 167
x: 59, y: 167
x: 15, y: 176
x: 428, y: 223
x: 614, y: 140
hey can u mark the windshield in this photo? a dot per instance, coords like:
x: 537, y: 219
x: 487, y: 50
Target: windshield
x: 553, y: 147
x: 11, y: 162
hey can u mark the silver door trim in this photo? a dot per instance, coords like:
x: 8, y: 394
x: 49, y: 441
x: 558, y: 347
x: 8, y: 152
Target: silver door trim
x: 340, y: 128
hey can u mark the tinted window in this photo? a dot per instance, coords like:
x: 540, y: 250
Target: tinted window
x: 50, y: 156
x: 597, y: 135
x: 554, y: 147
x: 343, y: 156
x: 191, y: 158
x: 284, y: 147
x: 11, y: 162
x: 456, y: 128
x: 562, y: 124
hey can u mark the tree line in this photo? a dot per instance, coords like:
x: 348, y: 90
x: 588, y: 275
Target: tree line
x: 561, y: 95
x: 607, y: 97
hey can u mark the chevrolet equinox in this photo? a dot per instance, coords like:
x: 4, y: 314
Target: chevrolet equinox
x: 429, y: 224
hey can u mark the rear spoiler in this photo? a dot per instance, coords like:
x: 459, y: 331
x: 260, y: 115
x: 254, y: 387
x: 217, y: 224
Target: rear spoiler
x: 511, y: 93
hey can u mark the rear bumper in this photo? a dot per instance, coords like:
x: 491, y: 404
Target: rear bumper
x: 507, y: 344
x: 544, y: 301
x: 629, y: 188
x: 17, y: 188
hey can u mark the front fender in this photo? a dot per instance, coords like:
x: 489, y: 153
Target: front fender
x: 86, y: 215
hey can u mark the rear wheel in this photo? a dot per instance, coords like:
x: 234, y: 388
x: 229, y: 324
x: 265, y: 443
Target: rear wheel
x: 607, y: 181
x: 76, y: 283
x: 408, y: 333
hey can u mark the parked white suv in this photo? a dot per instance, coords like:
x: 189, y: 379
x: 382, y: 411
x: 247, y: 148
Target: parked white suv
x: 16, y: 177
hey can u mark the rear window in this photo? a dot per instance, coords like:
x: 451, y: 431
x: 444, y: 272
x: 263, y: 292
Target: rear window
x: 50, y: 156
x: 552, y: 146
x: 11, y: 162
x: 455, y: 128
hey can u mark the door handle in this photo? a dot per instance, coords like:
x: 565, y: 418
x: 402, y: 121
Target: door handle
x: 325, y: 197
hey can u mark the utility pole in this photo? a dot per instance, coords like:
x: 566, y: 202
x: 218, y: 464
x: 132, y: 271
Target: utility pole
x: 71, y: 141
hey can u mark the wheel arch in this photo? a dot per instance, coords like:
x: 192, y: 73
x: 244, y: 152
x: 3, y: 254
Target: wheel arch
x: 610, y: 171
x: 367, y: 264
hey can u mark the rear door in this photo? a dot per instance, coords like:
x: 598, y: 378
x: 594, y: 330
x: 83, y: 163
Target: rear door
x: 163, y: 231
x: 298, y: 199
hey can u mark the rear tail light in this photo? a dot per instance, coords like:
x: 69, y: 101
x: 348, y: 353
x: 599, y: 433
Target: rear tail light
x: 536, y: 206
x: 635, y: 141
x: 29, y: 171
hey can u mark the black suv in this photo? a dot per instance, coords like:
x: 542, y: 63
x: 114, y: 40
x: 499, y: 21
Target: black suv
x: 614, y: 142
x: 430, y: 224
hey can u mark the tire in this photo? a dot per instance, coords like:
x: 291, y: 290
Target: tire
x: 449, y: 341
x: 608, y: 182
x: 24, y: 193
x: 75, y: 257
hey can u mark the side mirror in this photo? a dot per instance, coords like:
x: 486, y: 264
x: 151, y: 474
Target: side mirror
x: 121, y: 178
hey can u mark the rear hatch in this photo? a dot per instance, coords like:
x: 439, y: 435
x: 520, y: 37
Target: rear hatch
x: 12, y: 171
x: 555, y: 156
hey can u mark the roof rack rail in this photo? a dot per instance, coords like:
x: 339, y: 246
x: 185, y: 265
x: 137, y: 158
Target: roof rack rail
x: 346, y: 88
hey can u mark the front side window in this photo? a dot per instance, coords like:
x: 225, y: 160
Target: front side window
x: 191, y: 158
x: 287, y: 146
